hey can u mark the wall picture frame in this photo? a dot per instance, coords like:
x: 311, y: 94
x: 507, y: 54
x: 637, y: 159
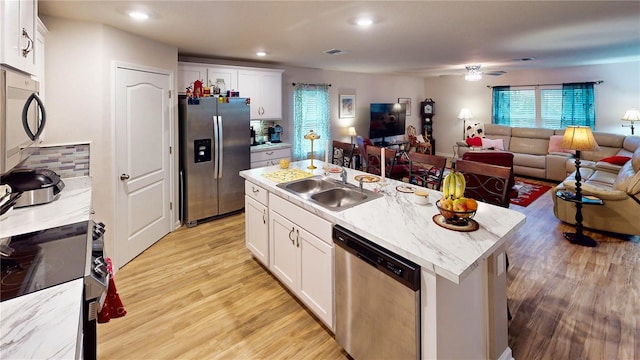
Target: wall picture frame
x: 347, y: 106
x: 406, y: 101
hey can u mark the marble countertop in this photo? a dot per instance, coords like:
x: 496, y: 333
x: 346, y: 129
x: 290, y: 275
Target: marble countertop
x: 395, y: 222
x: 270, y: 146
x: 73, y: 205
x: 45, y: 323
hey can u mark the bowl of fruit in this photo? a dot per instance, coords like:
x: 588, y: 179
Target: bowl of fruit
x: 457, y: 211
x: 453, y: 206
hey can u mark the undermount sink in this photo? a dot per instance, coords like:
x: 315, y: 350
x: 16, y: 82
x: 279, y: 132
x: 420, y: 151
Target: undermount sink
x: 339, y: 198
x: 311, y: 185
x: 329, y: 193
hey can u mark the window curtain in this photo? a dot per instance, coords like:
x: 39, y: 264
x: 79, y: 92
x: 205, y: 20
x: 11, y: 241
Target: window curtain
x: 502, y: 105
x: 578, y: 105
x: 310, y: 112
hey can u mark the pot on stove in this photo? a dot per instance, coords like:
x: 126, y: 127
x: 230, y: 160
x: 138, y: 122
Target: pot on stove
x: 38, y: 186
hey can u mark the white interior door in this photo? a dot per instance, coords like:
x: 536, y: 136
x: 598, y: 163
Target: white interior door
x: 142, y: 123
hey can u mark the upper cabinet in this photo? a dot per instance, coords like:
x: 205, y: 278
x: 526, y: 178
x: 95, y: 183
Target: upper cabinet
x: 18, y: 34
x: 264, y: 87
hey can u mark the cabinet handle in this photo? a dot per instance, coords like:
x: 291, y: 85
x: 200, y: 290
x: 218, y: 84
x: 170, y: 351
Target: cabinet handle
x: 297, y: 238
x: 255, y: 191
x: 269, y: 152
x: 264, y: 216
x: 291, y: 232
x: 29, y: 47
x: 260, y: 110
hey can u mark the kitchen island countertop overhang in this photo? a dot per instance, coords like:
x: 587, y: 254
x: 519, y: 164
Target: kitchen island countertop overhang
x: 396, y: 223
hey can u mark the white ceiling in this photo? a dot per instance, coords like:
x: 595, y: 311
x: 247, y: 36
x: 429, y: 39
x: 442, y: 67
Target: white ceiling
x: 424, y: 38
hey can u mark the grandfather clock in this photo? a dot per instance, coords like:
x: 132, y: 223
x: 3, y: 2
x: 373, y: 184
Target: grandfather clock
x: 427, y: 111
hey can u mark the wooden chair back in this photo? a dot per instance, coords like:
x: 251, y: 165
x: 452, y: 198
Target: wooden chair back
x: 486, y: 182
x: 374, y: 160
x: 342, y: 154
x: 426, y: 170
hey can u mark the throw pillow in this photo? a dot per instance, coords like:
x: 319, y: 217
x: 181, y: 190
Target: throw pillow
x: 496, y: 144
x: 474, y: 141
x: 616, y: 160
x: 554, y: 145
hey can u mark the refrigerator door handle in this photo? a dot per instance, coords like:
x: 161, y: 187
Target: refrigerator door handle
x: 220, y: 147
x: 215, y: 146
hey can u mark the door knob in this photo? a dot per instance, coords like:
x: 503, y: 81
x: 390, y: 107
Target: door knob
x: 124, y: 177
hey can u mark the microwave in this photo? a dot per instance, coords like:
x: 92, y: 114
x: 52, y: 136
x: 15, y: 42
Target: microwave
x: 22, y: 118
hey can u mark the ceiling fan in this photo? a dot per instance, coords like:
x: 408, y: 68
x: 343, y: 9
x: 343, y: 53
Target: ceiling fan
x: 474, y: 73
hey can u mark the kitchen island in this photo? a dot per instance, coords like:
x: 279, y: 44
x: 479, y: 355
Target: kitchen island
x: 44, y: 324
x: 463, y: 279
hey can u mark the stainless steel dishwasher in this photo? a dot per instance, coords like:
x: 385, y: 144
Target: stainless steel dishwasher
x: 377, y: 300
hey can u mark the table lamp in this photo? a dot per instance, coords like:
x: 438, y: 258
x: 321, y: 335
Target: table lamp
x: 631, y: 115
x: 465, y: 115
x: 579, y: 138
x: 311, y: 136
x: 351, y: 131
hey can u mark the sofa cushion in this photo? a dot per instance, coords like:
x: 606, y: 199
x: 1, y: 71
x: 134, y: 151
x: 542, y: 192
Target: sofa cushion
x: 602, y: 177
x: 628, y: 180
x: 631, y: 143
x: 528, y: 160
x: 554, y: 145
x: 532, y: 133
x: 497, y: 144
x: 529, y: 145
x: 608, y: 139
x: 635, y: 160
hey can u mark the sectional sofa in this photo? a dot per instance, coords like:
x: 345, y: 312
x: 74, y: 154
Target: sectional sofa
x: 612, y: 173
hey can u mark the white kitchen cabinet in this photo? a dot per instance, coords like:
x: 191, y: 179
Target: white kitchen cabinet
x: 18, y: 34
x: 228, y: 75
x: 264, y: 87
x: 301, y: 255
x: 256, y: 222
x: 188, y: 73
x: 268, y: 157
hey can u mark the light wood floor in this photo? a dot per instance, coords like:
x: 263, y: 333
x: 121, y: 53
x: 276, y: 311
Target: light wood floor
x: 198, y: 294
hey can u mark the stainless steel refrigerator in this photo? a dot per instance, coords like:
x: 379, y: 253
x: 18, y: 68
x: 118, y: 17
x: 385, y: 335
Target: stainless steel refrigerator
x: 214, y: 148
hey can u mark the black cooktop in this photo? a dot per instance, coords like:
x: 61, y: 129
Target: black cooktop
x: 42, y: 259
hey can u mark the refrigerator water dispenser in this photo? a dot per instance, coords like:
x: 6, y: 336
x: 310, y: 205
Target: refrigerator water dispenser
x: 202, y: 149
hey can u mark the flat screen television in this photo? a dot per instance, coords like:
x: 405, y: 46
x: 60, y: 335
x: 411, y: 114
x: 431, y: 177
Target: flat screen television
x: 387, y: 120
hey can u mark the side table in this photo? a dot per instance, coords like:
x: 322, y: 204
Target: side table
x: 579, y: 237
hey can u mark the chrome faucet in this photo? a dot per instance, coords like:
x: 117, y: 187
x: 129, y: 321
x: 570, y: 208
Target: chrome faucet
x: 361, y: 180
x: 343, y: 175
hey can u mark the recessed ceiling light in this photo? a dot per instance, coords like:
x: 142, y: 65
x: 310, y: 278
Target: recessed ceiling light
x: 261, y: 53
x: 364, y: 22
x: 139, y: 15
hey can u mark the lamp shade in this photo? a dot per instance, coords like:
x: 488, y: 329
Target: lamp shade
x: 465, y: 114
x: 631, y: 115
x: 579, y: 138
x: 312, y: 135
x: 351, y: 131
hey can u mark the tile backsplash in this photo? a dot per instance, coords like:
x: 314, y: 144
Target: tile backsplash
x: 66, y: 160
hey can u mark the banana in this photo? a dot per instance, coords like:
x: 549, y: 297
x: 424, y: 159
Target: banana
x: 452, y: 183
x: 445, y: 186
x: 459, y: 185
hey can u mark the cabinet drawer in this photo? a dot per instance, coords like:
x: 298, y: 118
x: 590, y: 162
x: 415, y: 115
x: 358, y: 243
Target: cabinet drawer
x: 311, y: 223
x: 270, y: 154
x: 256, y: 192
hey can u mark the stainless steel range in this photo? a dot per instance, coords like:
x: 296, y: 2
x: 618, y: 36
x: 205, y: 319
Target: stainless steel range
x: 42, y: 259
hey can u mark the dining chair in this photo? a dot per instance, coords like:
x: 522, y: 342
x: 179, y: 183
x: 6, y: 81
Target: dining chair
x: 426, y: 170
x: 342, y: 154
x: 486, y: 182
x: 374, y: 160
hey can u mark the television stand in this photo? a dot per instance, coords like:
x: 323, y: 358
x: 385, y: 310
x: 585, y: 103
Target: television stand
x: 381, y: 143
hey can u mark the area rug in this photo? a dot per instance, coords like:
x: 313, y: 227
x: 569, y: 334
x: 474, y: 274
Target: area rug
x: 528, y: 192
